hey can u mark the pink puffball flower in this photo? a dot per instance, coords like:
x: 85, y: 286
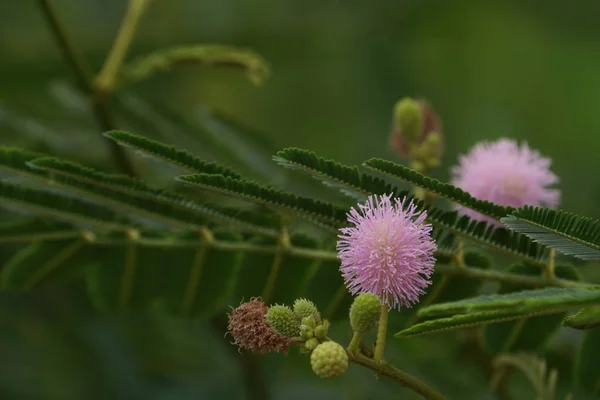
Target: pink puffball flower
x: 506, y: 174
x: 388, y: 251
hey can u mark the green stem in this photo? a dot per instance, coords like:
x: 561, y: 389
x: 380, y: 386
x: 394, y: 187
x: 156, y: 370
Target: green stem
x: 381, y: 333
x: 282, y: 250
x: 129, y: 272
x: 55, y: 262
x: 40, y: 237
x: 409, y: 381
x: 336, y: 301
x: 549, y: 269
x: 86, y: 83
x: 67, y: 47
x: 107, y: 76
x: 196, y: 274
x: 355, y: 342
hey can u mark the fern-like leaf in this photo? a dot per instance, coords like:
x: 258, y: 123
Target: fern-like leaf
x: 62, y: 207
x: 323, y: 214
x: 526, y: 300
x: 568, y: 233
x: 256, y: 67
x: 170, y: 154
x: 446, y: 190
x: 348, y: 179
x: 121, y: 191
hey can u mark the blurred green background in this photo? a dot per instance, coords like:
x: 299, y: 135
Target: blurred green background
x: 512, y: 68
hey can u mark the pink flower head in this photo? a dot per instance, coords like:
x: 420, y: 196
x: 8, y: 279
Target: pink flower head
x: 506, y: 174
x: 388, y: 251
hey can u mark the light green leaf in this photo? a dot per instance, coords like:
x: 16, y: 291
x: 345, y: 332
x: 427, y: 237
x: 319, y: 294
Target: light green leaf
x: 256, y: 67
x: 586, y: 318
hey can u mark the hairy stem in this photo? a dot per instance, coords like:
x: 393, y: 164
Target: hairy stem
x: 355, y: 342
x: 385, y: 369
x: 107, y: 76
x: 381, y: 333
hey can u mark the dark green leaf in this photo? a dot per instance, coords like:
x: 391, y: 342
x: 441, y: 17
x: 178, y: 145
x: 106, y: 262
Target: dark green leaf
x: 525, y: 335
x: 169, y: 154
x: 587, y: 370
x: 568, y: 233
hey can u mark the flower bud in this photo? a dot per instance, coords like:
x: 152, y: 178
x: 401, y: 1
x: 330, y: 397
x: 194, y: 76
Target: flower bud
x: 408, y: 119
x: 311, y: 344
x: 321, y: 330
x: 364, y: 312
x: 329, y: 360
x: 304, y: 308
x: 283, y: 321
x: 308, y: 321
x: 306, y: 332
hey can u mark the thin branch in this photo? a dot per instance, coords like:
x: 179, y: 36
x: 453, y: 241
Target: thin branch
x: 112, y: 65
x: 385, y: 369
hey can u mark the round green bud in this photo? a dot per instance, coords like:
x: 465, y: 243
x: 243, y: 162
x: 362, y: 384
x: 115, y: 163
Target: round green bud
x: 364, y: 312
x: 304, y: 308
x: 311, y: 344
x: 283, y: 321
x: 321, y: 330
x: 408, y: 119
x: 329, y: 360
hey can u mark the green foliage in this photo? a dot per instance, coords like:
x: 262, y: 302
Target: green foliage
x: 15, y: 161
x: 587, y: 370
x: 499, y: 239
x: 170, y: 154
x: 527, y: 334
x: 586, y: 318
x: 159, y: 206
x: 256, y: 67
x: 346, y: 178
x: 568, y: 233
x: 323, y: 214
x: 62, y: 206
x: 446, y: 190
x: 525, y: 300
x: 292, y: 278
x: 23, y: 230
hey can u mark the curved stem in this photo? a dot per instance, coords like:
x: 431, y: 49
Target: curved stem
x: 110, y: 69
x: 409, y: 381
x: 381, y: 333
x: 355, y: 342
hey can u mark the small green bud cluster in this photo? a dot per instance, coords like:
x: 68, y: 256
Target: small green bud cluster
x: 416, y: 134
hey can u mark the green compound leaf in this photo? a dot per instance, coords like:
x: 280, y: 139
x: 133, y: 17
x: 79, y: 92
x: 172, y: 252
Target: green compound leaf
x: 132, y: 195
x: 587, y: 368
x: 586, y: 318
x: 446, y: 190
x: 62, y: 207
x: 15, y: 161
x: 568, y: 233
x: 30, y: 229
x: 45, y: 262
x: 291, y: 279
x: 323, y: 214
x: 348, y: 179
x: 219, y: 56
x: 169, y: 154
x: 523, y: 301
x: 192, y: 282
x: 527, y: 334
x: 499, y: 239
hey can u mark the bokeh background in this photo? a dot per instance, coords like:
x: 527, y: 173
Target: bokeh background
x: 521, y: 69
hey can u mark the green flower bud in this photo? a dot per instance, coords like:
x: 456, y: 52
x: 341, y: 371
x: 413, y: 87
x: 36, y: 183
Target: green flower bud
x: 329, y: 360
x: 283, y: 321
x: 364, y: 313
x: 308, y: 321
x: 306, y: 332
x: 311, y: 344
x: 408, y: 119
x: 304, y: 308
x: 321, y: 330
